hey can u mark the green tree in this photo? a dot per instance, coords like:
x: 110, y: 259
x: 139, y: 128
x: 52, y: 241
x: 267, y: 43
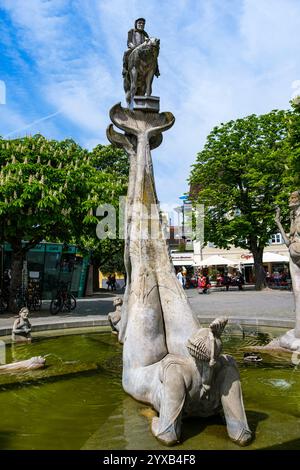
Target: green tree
x: 113, y: 167
x: 49, y: 190
x: 239, y: 177
x: 40, y: 195
x: 292, y: 173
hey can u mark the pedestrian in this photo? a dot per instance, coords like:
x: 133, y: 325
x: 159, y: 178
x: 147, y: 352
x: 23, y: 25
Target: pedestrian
x: 113, y: 282
x: 203, y: 284
x: 180, y: 277
x: 227, y: 281
x: 240, y: 280
x: 108, y: 282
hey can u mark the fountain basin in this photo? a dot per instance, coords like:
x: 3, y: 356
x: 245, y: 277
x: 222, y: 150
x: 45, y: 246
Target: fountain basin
x: 77, y: 401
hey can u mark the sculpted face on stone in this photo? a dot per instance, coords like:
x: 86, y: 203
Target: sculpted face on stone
x: 24, y: 312
x: 294, y: 200
x: 205, y: 345
x: 118, y: 301
x: 140, y: 24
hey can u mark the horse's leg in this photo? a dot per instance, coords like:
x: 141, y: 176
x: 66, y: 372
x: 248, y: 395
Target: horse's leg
x: 128, y: 98
x: 149, y: 80
x: 133, y: 82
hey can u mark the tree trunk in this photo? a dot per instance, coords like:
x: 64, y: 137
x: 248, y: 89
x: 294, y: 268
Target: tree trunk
x: 16, y: 274
x: 95, y: 278
x: 259, y: 271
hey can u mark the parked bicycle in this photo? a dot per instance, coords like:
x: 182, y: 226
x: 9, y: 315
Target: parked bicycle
x: 64, y: 300
x: 33, y: 297
x: 29, y: 298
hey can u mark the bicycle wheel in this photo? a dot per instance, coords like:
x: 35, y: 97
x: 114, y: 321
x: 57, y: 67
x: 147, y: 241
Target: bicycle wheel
x: 3, y: 305
x: 73, y: 302
x: 36, y: 303
x: 67, y: 305
x: 55, y: 306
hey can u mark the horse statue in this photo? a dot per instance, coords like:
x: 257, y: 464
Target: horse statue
x: 142, y: 66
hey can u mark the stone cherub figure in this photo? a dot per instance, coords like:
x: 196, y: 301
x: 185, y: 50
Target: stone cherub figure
x: 291, y: 339
x: 21, y: 330
x: 115, y: 317
x: 140, y: 67
x: 206, y: 346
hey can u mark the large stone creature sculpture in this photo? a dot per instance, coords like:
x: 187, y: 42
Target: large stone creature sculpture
x: 168, y: 360
x: 291, y: 340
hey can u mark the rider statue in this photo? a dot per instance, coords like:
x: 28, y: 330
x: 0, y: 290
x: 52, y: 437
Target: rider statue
x: 136, y: 37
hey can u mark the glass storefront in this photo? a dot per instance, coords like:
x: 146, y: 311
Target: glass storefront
x: 48, y: 265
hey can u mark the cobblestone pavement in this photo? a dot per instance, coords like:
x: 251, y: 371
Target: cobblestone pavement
x: 271, y: 304
x: 255, y: 306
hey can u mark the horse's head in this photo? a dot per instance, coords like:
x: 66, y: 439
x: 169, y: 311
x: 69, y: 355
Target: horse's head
x: 154, y: 42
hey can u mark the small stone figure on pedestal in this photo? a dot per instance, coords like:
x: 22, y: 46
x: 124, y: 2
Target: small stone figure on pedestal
x: 115, y: 317
x: 22, y: 328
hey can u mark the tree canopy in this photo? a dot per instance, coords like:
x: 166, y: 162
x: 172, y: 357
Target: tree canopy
x: 113, y: 165
x: 238, y: 176
x: 50, y: 190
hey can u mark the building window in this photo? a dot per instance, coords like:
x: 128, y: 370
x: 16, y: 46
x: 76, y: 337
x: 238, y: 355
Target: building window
x: 276, y: 239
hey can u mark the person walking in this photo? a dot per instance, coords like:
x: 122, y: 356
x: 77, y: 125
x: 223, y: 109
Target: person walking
x: 180, y: 277
x: 240, y: 280
x: 108, y: 282
x: 113, y: 282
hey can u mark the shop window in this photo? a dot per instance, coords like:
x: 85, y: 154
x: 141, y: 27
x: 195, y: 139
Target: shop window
x: 276, y: 239
x: 51, y: 274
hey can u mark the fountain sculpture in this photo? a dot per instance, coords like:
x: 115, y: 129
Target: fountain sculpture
x: 169, y: 361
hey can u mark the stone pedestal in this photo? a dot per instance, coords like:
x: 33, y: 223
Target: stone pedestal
x: 146, y: 103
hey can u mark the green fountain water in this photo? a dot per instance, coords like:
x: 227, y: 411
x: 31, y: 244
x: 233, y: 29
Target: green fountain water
x: 77, y: 402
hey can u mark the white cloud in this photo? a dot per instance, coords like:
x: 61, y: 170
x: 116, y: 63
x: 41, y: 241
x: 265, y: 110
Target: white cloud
x: 218, y: 60
x: 10, y: 120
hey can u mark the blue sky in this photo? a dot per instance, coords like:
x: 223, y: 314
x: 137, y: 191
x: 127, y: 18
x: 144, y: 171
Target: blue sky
x: 61, y: 64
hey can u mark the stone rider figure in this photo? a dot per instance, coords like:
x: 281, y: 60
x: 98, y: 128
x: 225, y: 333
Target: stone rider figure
x: 136, y: 36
